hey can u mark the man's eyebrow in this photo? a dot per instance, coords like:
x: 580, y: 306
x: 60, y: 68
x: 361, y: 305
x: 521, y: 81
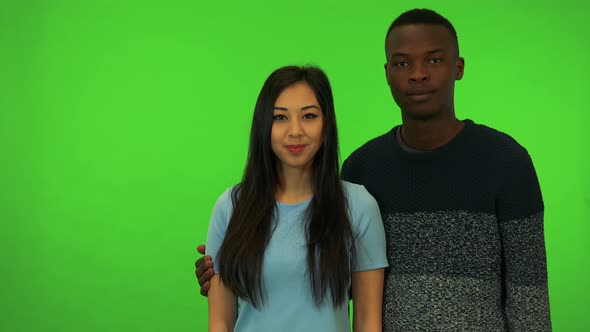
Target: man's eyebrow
x: 436, y: 50
x: 302, y: 108
x: 394, y: 54
x: 401, y: 54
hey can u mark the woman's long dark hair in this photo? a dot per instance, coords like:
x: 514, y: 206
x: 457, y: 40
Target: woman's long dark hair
x: 328, y: 229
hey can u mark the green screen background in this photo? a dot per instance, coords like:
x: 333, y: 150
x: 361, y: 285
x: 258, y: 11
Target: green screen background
x: 122, y: 121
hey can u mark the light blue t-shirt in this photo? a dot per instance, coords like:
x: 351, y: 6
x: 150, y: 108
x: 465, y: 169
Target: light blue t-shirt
x: 288, y: 304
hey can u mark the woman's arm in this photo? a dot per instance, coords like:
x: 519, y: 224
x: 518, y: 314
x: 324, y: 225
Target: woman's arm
x: 222, y: 307
x: 367, y: 299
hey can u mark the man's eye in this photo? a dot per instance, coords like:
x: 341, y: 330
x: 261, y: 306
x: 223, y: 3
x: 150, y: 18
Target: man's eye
x: 279, y: 117
x: 434, y: 60
x: 400, y: 63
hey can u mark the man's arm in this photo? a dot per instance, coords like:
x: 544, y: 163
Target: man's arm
x: 367, y: 299
x: 204, y: 270
x: 520, y: 213
x: 222, y: 307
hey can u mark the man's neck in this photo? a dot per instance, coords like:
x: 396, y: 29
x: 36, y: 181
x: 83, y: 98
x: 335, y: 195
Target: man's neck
x: 430, y: 134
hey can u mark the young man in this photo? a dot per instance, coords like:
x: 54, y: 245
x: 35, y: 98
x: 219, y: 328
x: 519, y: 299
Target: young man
x: 461, y: 202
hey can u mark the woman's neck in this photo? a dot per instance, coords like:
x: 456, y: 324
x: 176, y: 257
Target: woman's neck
x: 295, y: 184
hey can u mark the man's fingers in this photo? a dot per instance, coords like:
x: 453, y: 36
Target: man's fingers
x: 199, y: 262
x: 205, y: 277
x: 203, y: 267
x: 205, y: 288
x: 203, y: 264
x: 204, y: 270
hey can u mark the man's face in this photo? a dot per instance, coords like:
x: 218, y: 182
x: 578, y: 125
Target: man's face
x: 421, y: 69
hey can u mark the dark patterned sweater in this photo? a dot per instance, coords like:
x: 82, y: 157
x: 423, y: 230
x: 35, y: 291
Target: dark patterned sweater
x: 464, y: 228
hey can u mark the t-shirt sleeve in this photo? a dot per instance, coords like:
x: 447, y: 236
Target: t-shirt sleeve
x: 218, y: 226
x: 370, y: 247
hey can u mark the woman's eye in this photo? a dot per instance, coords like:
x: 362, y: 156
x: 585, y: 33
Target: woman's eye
x: 279, y: 117
x: 310, y: 116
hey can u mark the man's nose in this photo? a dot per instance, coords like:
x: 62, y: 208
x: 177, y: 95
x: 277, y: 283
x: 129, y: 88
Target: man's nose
x: 419, y: 73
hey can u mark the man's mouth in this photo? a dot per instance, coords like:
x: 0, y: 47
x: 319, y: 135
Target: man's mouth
x: 419, y: 94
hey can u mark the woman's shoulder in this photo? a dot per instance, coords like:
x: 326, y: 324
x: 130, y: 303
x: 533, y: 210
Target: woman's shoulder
x: 225, y: 197
x: 224, y: 203
x: 358, y: 197
x: 364, y: 213
x: 355, y: 191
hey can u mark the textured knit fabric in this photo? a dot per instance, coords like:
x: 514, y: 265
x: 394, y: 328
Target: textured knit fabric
x: 289, y: 305
x: 464, y: 230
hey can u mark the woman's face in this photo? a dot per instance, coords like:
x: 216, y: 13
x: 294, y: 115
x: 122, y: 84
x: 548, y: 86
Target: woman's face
x: 296, y: 134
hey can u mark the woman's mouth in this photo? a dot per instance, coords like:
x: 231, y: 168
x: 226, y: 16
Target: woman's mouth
x: 296, y: 148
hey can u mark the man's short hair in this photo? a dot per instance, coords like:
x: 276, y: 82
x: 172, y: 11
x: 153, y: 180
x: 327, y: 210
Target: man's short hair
x: 423, y: 16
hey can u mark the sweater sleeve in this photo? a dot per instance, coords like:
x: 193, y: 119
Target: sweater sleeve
x: 519, y: 208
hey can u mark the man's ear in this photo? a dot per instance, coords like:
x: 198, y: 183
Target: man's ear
x: 385, y: 72
x: 460, y: 68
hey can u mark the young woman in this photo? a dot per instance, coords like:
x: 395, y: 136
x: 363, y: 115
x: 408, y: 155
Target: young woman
x: 291, y: 239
